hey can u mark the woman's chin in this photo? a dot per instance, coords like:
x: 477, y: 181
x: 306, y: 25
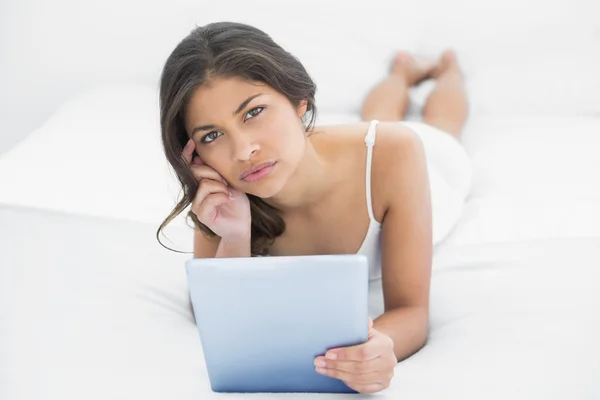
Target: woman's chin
x: 264, y: 190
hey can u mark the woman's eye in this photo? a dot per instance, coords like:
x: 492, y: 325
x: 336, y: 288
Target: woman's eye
x: 254, y: 112
x: 209, y: 137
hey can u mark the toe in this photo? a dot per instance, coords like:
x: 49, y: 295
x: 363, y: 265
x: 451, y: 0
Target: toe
x: 449, y: 55
x: 402, y: 60
x: 448, y: 61
x: 403, y: 57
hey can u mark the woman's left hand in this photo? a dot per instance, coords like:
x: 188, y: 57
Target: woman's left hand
x: 366, y: 368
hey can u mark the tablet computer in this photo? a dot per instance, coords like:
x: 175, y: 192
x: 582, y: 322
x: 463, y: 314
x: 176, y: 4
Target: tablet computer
x: 263, y: 320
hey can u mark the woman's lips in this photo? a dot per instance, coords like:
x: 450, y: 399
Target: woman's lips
x: 260, y: 173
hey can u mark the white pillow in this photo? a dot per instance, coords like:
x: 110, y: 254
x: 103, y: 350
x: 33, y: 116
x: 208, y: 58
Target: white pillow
x: 100, y: 154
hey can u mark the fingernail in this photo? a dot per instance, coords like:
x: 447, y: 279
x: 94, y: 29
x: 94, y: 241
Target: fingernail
x: 321, y: 371
x: 331, y: 356
x: 230, y: 195
x: 320, y: 363
x: 187, y: 144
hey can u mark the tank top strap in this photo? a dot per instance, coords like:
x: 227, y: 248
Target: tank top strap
x: 370, y: 142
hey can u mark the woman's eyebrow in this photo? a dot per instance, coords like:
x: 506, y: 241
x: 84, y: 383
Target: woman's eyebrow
x: 245, y: 103
x: 236, y: 112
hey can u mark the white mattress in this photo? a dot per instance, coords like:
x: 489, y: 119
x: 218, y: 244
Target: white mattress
x: 514, y: 311
x: 90, y: 300
x: 93, y: 308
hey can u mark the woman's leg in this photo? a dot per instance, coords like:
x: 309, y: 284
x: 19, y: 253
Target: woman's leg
x: 447, y: 107
x: 388, y: 100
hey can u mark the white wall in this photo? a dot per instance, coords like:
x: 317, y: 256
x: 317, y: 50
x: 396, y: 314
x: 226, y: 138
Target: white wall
x: 52, y: 50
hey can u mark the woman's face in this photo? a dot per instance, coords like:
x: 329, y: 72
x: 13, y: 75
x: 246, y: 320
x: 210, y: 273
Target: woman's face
x: 237, y: 124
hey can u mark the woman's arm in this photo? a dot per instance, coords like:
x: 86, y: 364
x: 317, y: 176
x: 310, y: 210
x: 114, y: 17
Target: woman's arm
x: 215, y: 247
x: 406, y: 267
x: 406, y: 244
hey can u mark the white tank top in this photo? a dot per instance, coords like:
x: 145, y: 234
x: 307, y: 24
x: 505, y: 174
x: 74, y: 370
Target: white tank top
x: 450, y: 178
x: 371, y: 245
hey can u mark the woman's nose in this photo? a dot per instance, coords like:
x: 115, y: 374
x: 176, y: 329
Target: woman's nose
x: 245, y: 148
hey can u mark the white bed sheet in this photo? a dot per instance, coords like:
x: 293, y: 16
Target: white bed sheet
x: 534, y: 177
x: 91, y: 307
x: 96, y: 309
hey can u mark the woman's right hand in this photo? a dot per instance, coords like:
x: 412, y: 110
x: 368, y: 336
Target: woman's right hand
x: 223, y: 209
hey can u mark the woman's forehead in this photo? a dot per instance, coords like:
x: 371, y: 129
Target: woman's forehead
x: 223, y: 96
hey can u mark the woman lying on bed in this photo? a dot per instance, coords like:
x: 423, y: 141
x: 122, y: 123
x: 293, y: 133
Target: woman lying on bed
x: 237, y: 120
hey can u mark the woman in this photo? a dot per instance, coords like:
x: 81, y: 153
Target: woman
x: 237, y: 120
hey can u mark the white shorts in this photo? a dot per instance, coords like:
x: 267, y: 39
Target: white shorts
x: 450, y: 176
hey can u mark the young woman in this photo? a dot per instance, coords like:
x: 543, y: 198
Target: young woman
x: 237, y: 120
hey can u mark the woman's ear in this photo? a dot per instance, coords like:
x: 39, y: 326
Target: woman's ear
x: 302, y: 106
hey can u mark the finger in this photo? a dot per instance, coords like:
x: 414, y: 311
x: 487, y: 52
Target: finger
x: 356, y: 367
x: 372, y: 348
x: 207, y: 187
x: 369, y: 388
x: 355, y: 379
x: 197, y: 161
x: 207, y: 210
x: 201, y: 172
x: 188, y: 150
x: 211, y: 202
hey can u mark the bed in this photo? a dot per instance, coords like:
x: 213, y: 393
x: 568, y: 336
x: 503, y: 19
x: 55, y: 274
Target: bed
x: 91, y: 306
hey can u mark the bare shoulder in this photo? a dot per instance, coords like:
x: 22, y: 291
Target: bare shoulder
x: 351, y: 136
x: 397, y: 151
x: 393, y: 141
x: 399, y: 163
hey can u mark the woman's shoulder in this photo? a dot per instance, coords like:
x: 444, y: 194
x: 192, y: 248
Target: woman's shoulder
x: 395, y: 145
x: 350, y: 138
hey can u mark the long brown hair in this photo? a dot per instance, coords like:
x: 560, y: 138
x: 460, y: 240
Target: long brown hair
x: 226, y: 50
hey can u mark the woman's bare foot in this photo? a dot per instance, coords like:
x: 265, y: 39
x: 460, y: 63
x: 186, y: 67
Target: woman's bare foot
x: 412, y: 69
x: 447, y: 63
